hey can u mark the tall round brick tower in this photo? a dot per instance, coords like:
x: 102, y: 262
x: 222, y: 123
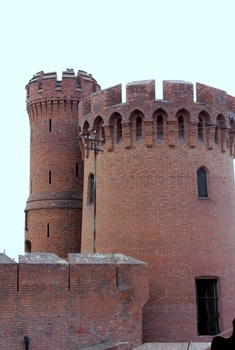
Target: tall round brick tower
x: 165, y: 195
x: 53, y: 214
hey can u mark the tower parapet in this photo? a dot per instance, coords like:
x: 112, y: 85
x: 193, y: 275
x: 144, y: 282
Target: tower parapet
x: 54, y: 206
x: 213, y: 112
x: 90, y: 299
x: 165, y: 195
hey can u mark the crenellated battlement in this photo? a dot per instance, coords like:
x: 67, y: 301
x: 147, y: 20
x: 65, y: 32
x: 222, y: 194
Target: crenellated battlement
x: 45, y: 86
x: 44, y: 289
x: 213, y: 112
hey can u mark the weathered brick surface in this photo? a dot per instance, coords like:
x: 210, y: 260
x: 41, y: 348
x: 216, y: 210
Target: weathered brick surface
x: 148, y: 205
x: 69, y: 305
x: 56, y: 169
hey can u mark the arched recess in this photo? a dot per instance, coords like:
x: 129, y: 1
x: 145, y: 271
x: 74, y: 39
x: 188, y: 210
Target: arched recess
x: 115, y: 122
x: 220, y: 125
x: 137, y: 125
x: 182, y: 118
x: 28, y: 246
x: 202, y: 182
x: 159, y: 124
x: 98, y: 127
x: 203, y: 120
x: 85, y: 128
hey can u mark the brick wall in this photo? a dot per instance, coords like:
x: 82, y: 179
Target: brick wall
x: 67, y: 305
x: 56, y: 169
x: 148, y: 205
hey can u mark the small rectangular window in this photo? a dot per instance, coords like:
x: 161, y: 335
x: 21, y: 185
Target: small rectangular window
x: 91, y: 188
x: 76, y: 169
x: 207, y: 307
x: 26, y: 221
x: 49, y: 177
x: 49, y: 125
x: 48, y: 230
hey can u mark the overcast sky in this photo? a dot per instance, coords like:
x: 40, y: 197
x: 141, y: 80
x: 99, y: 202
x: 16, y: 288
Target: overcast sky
x: 117, y: 42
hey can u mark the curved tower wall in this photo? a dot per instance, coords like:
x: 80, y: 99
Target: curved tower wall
x: 147, y: 197
x: 54, y: 206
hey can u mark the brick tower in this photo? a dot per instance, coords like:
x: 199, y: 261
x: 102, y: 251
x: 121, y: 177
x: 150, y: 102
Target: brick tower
x: 53, y: 213
x: 165, y: 195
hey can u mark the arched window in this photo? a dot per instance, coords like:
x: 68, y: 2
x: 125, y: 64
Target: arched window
x: 115, y: 123
x: 200, y: 129
x: 27, y: 246
x: 202, y: 183
x: 159, y: 127
x: 119, y: 130
x: 103, y: 135
x: 138, y: 128
x: 91, y: 187
x: 181, y: 127
x: 100, y: 133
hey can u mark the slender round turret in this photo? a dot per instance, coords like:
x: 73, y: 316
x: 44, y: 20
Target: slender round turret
x: 165, y: 195
x: 53, y: 214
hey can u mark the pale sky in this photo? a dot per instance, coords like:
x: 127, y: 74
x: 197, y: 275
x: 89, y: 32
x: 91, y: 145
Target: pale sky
x: 117, y: 42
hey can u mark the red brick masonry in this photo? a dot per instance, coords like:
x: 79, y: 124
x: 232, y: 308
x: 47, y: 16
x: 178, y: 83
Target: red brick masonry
x: 67, y: 305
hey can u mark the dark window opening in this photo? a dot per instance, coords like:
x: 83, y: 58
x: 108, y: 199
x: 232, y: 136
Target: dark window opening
x: 138, y: 128
x: 26, y: 221
x: 58, y: 108
x: 103, y: 135
x: 48, y: 231
x: 216, y: 133
x: 49, y: 177
x: 202, y: 183
x: 159, y: 127
x: 119, y: 130
x: 40, y: 84
x: 207, y: 307
x: 76, y: 169
x: 200, y: 129
x: 91, y: 189
x: 181, y: 127
x: 28, y: 247
x: 49, y: 125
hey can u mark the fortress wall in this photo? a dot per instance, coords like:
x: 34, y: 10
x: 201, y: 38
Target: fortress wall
x: 8, y: 300
x: 68, y: 305
x: 148, y: 207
